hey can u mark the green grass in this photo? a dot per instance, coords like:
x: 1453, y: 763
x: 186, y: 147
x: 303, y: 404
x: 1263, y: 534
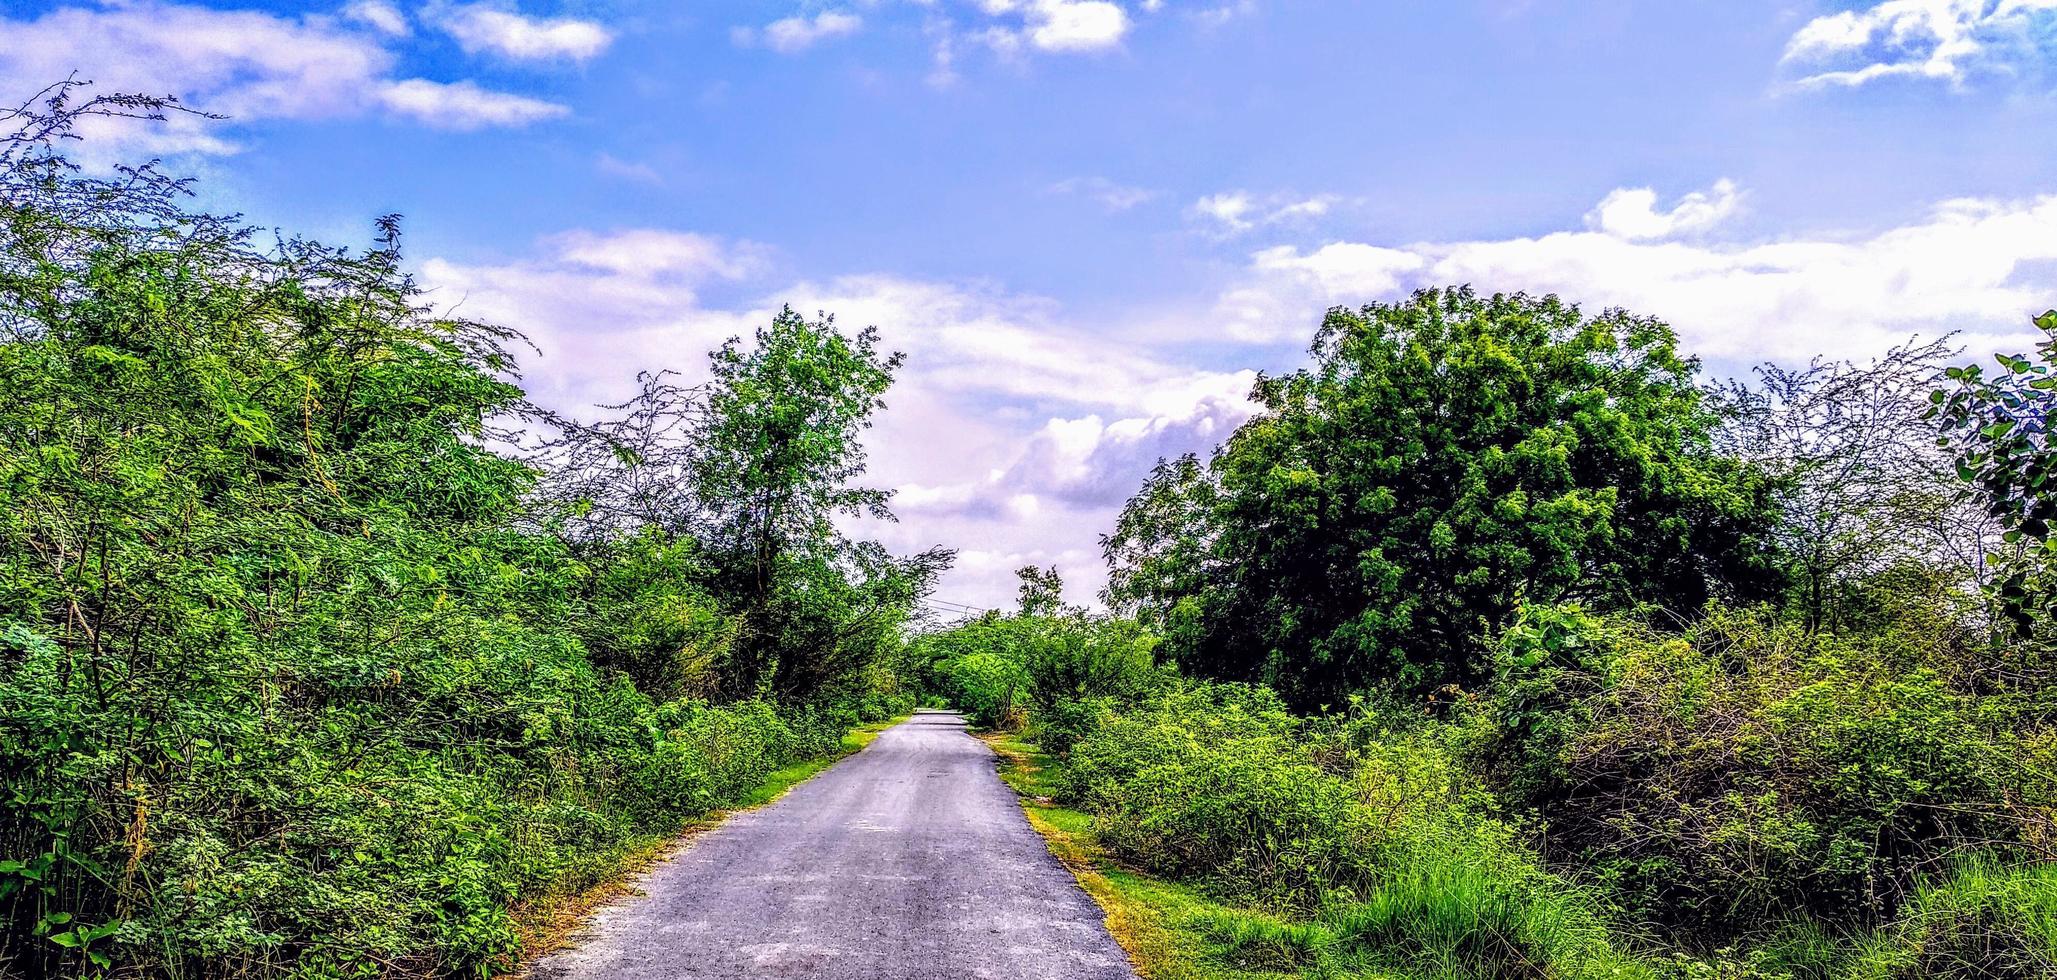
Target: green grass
x: 778, y: 783
x: 547, y: 921
x: 1030, y: 770
x: 1449, y: 917
x: 1171, y: 932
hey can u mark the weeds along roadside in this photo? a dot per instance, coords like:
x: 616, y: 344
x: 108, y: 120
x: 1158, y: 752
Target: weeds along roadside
x: 549, y: 920
x: 1227, y: 837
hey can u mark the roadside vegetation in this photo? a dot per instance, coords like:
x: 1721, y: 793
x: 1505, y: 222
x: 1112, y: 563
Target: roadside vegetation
x: 1501, y: 644
x: 323, y: 652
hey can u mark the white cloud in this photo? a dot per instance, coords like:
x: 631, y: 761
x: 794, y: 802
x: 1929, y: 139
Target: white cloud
x: 1230, y: 210
x: 483, y: 27
x: 1013, y: 434
x: 1941, y: 40
x: 1108, y: 194
x: 1313, y: 207
x: 463, y: 105
x: 613, y: 166
x: 943, y: 54
x: 1059, y: 26
x: 966, y: 339
x: 655, y: 254
x: 1217, y: 16
x: 243, y: 63
x: 380, y: 16
x: 602, y: 306
x: 1076, y: 25
x: 1631, y: 212
x: 248, y: 65
x: 1968, y: 265
x: 791, y: 35
x: 1091, y: 462
x: 1235, y: 212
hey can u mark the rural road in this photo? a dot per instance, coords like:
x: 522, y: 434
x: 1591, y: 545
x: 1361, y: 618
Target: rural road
x: 907, y: 860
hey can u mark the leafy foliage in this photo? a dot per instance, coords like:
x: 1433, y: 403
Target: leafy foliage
x: 1393, y: 859
x: 1750, y: 770
x: 773, y: 470
x: 302, y: 671
x: 322, y: 651
x: 1059, y: 665
x: 2000, y: 429
x: 1446, y: 459
x: 1723, y: 704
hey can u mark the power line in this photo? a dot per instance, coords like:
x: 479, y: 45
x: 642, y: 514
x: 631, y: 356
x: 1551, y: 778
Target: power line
x: 955, y: 605
x: 950, y: 609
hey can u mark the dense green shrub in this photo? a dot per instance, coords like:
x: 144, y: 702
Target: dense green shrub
x: 1058, y: 668
x: 1223, y: 796
x: 299, y: 673
x: 1443, y: 460
x: 1374, y: 834
x: 977, y: 669
x: 1748, y: 769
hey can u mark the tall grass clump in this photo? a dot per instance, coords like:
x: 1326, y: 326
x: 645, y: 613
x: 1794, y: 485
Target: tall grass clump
x: 1986, y: 919
x: 1749, y: 770
x: 1375, y: 837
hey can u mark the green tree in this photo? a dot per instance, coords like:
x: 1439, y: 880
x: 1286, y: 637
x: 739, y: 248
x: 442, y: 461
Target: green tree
x: 1999, y: 430
x: 1042, y: 590
x: 1445, y: 460
x: 295, y: 675
x: 773, y: 469
x: 256, y: 569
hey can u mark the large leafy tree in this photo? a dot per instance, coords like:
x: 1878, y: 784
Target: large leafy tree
x: 1443, y: 461
x: 775, y: 467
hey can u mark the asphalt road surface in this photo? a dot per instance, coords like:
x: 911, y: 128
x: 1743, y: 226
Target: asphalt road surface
x: 907, y: 860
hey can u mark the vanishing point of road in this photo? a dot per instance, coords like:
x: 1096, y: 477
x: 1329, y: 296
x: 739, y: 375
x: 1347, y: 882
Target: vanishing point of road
x: 910, y: 859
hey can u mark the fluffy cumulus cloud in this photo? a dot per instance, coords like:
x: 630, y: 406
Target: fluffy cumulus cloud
x: 1093, y: 463
x: 1014, y: 433
x: 248, y: 65
x: 1632, y: 212
x: 792, y: 35
x: 240, y: 62
x: 1068, y: 25
x: 487, y: 28
x: 1968, y: 265
x: 602, y: 306
x: 1939, y: 40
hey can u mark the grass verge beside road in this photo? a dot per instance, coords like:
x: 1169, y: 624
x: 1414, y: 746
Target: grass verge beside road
x: 549, y: 923
x: 1169, y: 931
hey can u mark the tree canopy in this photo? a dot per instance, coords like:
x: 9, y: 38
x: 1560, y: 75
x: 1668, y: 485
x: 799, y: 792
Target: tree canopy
x: 1442, y: 461
x: 321, y: 648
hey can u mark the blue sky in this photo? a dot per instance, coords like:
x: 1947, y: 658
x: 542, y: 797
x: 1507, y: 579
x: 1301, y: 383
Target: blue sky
x: 1088, y: 221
